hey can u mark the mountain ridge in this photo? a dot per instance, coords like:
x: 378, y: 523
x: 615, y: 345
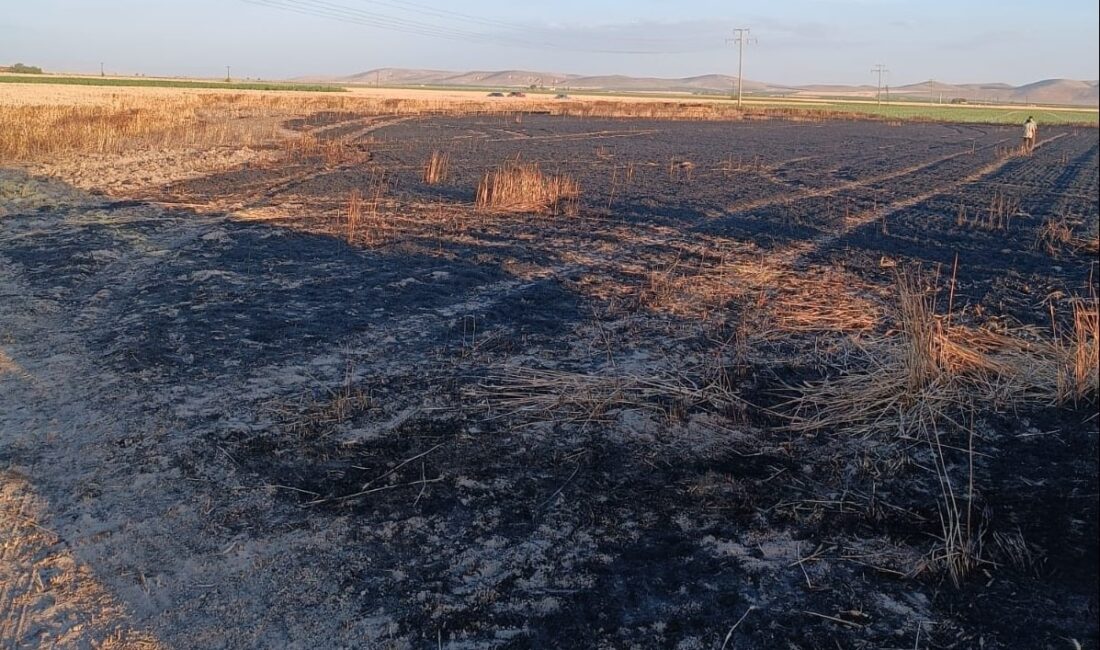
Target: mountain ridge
x: 1046, y: 91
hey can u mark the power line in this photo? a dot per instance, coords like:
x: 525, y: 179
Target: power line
x: 321, y: 9
x: 742, y: 36
x: 405, y: 5
x: 419, y: 8
x: 880, y: 70
x: 343, y: 13
x: 352, y: 15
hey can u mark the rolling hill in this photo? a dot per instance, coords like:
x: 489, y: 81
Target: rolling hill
x: 1049, y: 91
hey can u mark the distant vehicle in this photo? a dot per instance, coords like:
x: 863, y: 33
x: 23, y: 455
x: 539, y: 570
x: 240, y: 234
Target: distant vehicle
x: 959, y: 100
x: 516, y: 93
x: 561, y: 96
x: 496, y: 94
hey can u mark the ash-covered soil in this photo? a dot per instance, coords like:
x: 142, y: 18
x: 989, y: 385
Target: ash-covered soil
x: 465, y: 429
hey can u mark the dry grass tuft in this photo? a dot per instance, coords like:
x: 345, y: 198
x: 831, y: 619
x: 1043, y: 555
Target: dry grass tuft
x: 960, y: 546
x: 681, y: 170
x: 300, y: 148
x: 1089, y: 244
x: 795, y: 302
x: 437, y: 169
x: 365, y: 221
x: 337, y: 153
x: 842, y: 313
x: 930, y: 377
x: 334, y: 153
x: 827, y: 301
x: 353, y: 216
x: 520, y: 187
x: 960, y: 216
x: 319, y: 413
x: 928, y: 372
x: 1054, y: 235
x: 1002, y: 208
x: 730, y: 166
x: 701, y: 288
x: 909, y: 385
x: 1081, y: 377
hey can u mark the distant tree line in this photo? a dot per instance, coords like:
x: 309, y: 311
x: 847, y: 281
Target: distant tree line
x: 22, y: 69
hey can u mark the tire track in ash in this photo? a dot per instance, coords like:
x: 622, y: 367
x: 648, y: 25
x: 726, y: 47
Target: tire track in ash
x: 843, y: 187
x: 258, y: 194
x: 258, y: 198
x: 366, y: 121
x: 794, y: 253
x: 790, y: 261
x: 594, y: 135
x: 1056, y: 199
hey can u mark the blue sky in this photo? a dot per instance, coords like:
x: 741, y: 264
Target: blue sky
x: 798, y: 41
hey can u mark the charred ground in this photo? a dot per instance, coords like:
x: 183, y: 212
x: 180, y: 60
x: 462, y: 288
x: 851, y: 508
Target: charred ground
x: 299, y: 432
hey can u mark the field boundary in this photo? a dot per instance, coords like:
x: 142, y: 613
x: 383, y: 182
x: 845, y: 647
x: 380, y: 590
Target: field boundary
x: 172, y: 83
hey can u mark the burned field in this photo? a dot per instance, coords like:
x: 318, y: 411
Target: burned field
x: 533, y: 381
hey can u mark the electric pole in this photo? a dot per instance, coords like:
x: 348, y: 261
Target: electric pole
x: 879, y: 70
x: 742, y: 36
x: 101, y: 69
x: 227, y: 77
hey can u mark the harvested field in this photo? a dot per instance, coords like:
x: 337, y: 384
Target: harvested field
x: 763, y: 384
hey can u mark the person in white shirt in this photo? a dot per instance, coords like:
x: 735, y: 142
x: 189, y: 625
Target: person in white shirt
x: 1031, y: 130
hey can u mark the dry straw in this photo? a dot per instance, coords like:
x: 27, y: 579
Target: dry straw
x: 928, y: 371
x: 1056, y: 236
x: 523, y: 187
x: 555, y: 396
x: 1081, y: 378
x: 353, y: 216
x: 930, y: 378
x: 438, y: 168
x: 31, y: 132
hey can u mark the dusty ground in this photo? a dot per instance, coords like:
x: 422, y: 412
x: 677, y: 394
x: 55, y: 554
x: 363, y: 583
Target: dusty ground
x: 223, y: 424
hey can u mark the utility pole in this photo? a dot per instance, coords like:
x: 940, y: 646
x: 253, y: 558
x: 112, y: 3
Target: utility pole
x: 227, y: 77
x: 879, y: 70
x: 101, y: 73
x: 742, y: 36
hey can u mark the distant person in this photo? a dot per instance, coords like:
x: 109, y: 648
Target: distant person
x: 1031, y: 130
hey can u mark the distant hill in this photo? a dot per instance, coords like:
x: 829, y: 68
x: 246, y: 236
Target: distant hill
x: 709, y: 84
x: 1049, y: 91
x: 502, y: 78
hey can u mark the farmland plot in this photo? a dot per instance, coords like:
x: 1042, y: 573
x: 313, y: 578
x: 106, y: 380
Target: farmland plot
x: 322, y: 397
